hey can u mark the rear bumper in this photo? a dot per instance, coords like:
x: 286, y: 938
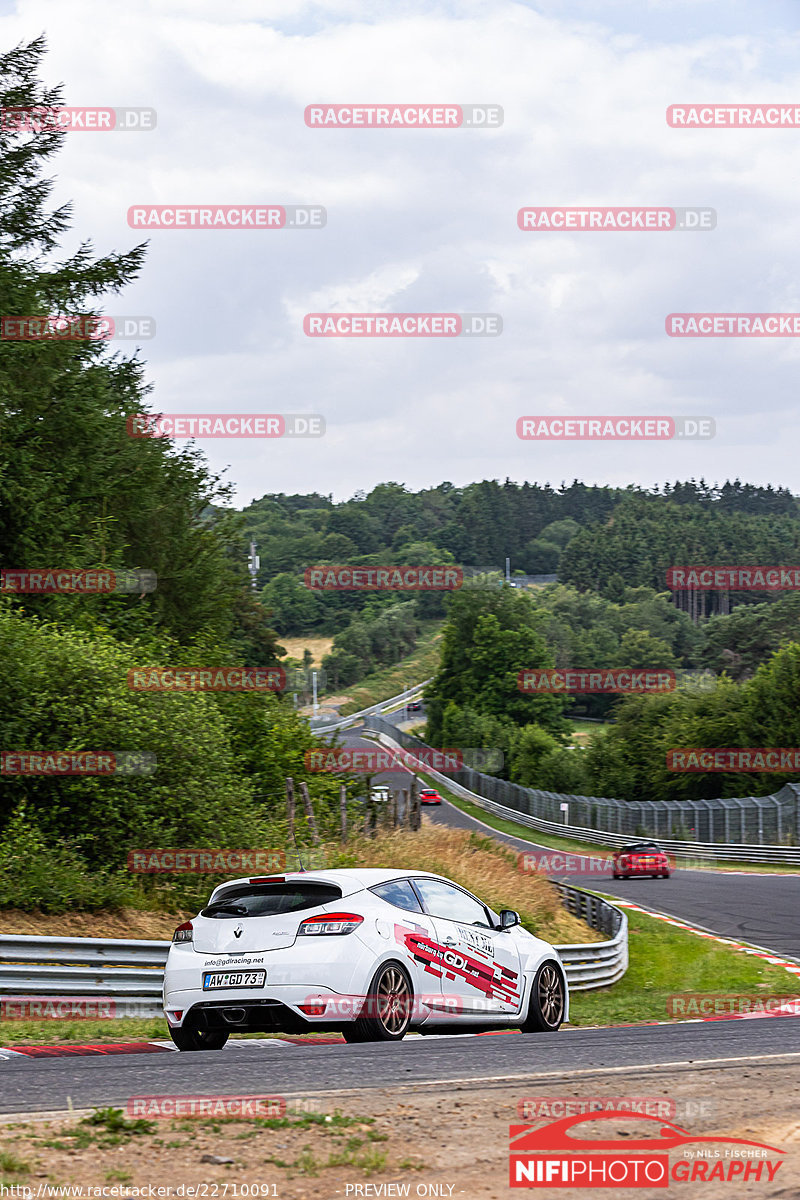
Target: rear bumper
x: 296, y: 975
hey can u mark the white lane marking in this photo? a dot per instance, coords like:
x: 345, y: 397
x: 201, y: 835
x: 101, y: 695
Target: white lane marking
x: 244, y: 1043
x: 566, y: 1072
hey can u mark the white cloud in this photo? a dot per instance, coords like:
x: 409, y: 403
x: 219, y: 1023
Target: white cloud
x: 426, y: 220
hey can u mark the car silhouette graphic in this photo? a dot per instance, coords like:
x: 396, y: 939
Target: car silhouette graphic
x: 556, y: 1136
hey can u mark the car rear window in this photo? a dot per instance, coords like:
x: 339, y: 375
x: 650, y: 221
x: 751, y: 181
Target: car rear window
x: 270, y: 899
x: 399, y: 893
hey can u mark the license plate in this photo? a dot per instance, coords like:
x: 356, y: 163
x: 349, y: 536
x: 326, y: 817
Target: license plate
x: 233, y: 979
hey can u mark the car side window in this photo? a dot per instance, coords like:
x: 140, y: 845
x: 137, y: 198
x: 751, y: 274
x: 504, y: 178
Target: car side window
x: 443, y: 900
x: 399, y: 893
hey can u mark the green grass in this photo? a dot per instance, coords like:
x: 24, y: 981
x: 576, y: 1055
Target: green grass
x: 420, y: 664
x: 47, y: 1033
x: 665, y: 962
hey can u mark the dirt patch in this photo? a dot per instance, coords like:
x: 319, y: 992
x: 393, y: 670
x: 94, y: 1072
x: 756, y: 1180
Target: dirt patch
x: 319, y: 646
x: 455, y: 1138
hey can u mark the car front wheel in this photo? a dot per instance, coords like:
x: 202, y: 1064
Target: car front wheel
x: 548, y: 1000
x: 193, y: 1035
x: 386, y: 1015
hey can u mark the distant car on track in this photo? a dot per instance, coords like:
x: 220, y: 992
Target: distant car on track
x: 429, y: 796
x: 641, y: 858
x: 372, y: 953
x: 414, y: 705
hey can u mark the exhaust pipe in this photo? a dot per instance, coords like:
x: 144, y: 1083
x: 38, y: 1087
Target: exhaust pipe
x: 234, y: 1016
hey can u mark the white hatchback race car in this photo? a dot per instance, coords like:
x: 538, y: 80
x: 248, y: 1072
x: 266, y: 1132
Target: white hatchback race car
x: 370, y: 953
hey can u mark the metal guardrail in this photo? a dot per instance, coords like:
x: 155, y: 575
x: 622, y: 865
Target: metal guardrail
x: 375, y: 709
x: 130, y: 974
x: 596, y: 964
x: 529, y: 798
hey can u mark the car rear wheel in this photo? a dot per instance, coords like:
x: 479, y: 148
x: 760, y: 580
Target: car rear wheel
x: 194, y: 1035
x: 548, y: 1000
x: 387, y: 1012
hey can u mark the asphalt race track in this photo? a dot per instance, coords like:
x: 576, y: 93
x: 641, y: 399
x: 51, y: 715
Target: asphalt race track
x: 46, y: 1085
x: 762, y: 909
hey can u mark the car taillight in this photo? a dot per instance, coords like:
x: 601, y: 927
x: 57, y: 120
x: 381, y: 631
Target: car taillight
x: 317, y: 1009
x: 330, y: 923
x: 183, y: 933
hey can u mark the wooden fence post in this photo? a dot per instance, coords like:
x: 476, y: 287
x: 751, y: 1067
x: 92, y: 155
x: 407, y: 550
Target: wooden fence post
x: 290, y: 808
x: 312, y: 823
x: 416, y: 808
x: 343, y: 810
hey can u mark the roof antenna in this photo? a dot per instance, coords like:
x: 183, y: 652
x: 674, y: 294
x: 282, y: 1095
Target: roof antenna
x: 297, y: 852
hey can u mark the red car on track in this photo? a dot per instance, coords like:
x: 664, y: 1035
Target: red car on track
x: 429, y: 796
x: 641, y: 858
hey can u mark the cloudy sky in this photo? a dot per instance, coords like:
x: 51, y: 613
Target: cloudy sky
x: 425, y: 221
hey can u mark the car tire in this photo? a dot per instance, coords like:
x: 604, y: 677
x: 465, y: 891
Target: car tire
x: 547, y: 1001
x: 389, y: 1006
x: 193, y: 1035
x: 614, y: 875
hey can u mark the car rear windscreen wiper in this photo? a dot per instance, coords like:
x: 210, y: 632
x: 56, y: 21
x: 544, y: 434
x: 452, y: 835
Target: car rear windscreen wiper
x: 237, y: 910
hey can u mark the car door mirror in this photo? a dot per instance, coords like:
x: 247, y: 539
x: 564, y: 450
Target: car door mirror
x: 508, y: 918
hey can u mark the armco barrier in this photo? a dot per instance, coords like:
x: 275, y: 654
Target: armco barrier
x: 782, y: 811
x: 131, y: 973
x: 366, y: 712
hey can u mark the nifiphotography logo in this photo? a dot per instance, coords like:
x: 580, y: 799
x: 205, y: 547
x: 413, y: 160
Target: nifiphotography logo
x: 552, y: 1156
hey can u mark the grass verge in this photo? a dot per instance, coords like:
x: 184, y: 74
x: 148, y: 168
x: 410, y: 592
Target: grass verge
x: 420, y: 664
x: 665, y: 962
